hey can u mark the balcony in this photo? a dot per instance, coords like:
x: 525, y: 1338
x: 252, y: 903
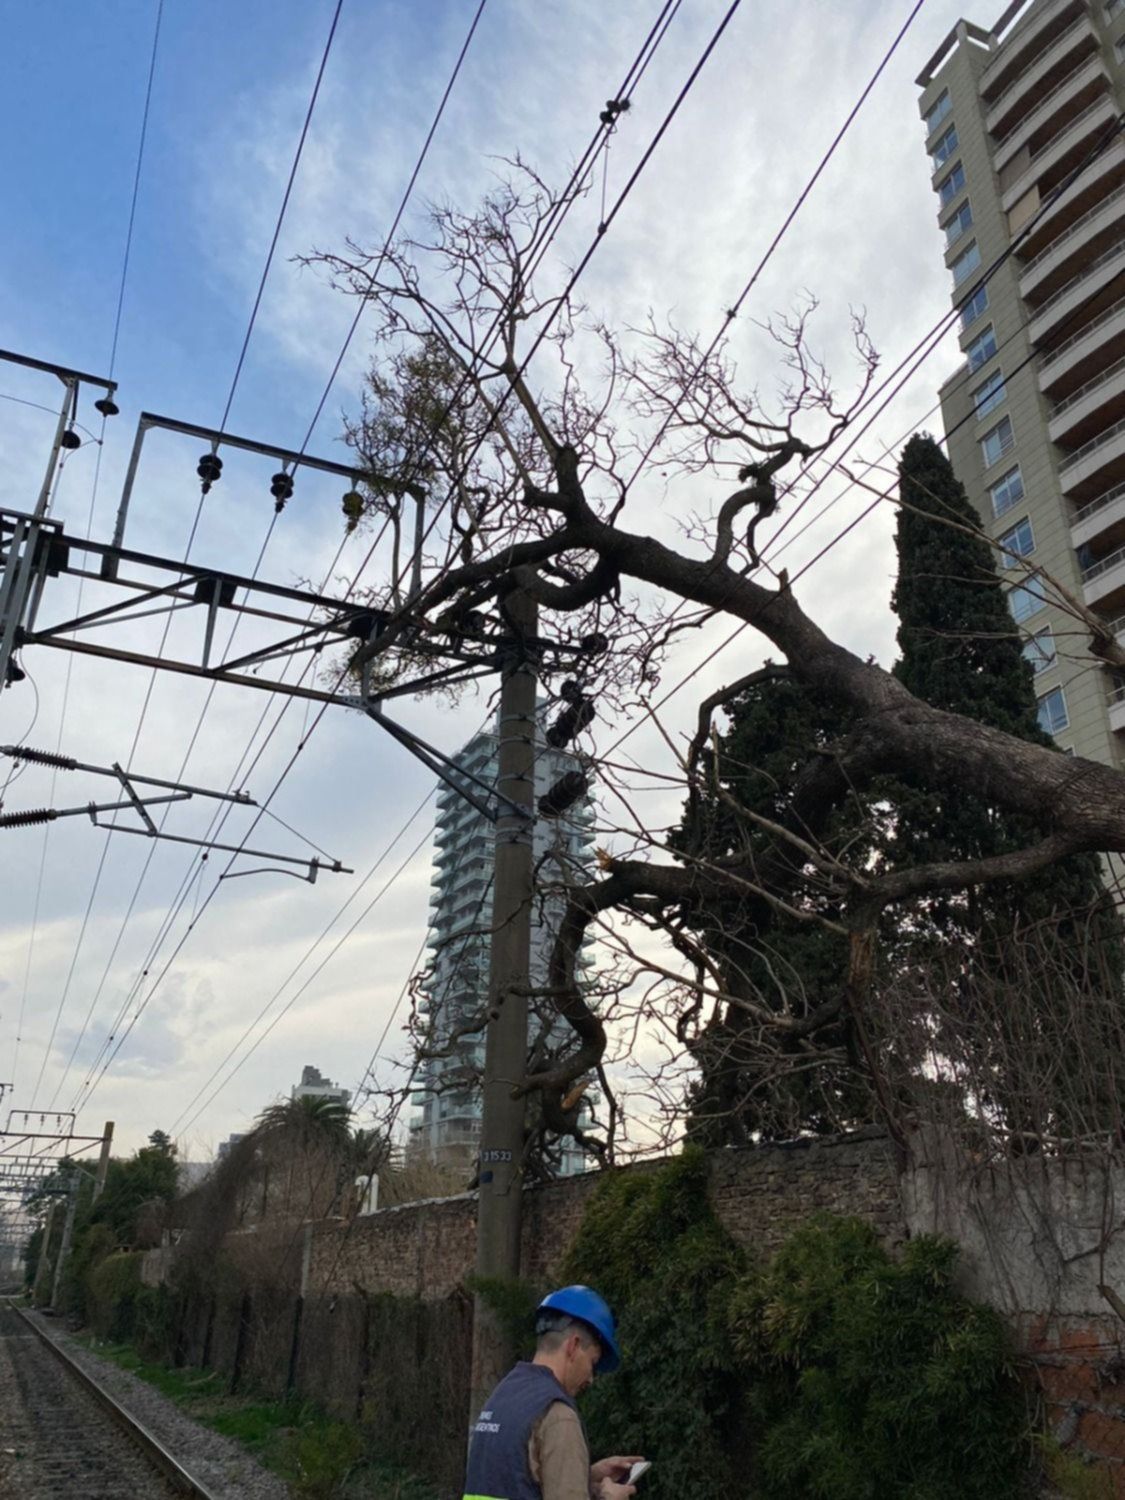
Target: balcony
x: 1095, y: 467
x: 1099, y: 229
x: 1093, y: 186
x: 1090, y: 409
x: 1049, y: 166
x: 1025, y: 91
x: 1063, y: 103
x: 1115, y: 703
x: 1080, y: 357
x: 1104, y: 582
x: 1080, y: 293
x: 1036, y: 30
x: 1101, y: 519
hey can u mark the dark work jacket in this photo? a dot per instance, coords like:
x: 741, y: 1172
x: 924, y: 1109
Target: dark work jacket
x: 498, y: 1467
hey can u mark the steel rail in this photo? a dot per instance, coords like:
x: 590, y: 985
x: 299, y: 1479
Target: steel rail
x: 153, y: 1449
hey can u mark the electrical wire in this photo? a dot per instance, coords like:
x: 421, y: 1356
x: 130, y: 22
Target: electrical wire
x: 602, y: 228
x: 226, y: 413
x: 281, y: 213
x: 136, y: 193
x: 402, y: 206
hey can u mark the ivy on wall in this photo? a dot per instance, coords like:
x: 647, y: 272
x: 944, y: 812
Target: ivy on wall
x: 832, y: 1370
x: 651, y: 1244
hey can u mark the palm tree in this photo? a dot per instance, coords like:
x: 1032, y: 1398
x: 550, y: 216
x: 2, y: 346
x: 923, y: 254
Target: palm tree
x: 305, y: 1150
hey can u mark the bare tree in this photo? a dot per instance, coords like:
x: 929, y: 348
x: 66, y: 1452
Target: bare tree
x: 529, y: 425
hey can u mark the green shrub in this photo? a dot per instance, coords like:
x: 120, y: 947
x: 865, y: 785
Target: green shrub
x: 650, y: 1243
x: 512, y: 1302
x: 113, y: 1292
x: 869, y: 1377
x: 1072, y: 1477
x: 318, y: 1458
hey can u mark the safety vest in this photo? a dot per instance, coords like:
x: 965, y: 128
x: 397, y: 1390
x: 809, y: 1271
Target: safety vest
x: 498, y: 1467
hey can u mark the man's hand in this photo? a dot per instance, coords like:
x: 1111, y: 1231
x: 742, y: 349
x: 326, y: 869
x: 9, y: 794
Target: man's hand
x: 609, y: 1489
x: 609, y: 1475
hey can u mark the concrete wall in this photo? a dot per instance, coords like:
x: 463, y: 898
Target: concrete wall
x: 1040, y: 1240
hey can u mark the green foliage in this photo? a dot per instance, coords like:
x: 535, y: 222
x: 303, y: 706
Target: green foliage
x: 962, y: 652
x: 870, y: 1377
x: 1071, y: 1477
x: 92, y: 1244
x: 513, y: 1303
x: 755, y: 1085
x: 130, y: 1186
x: 119, y: 1307
x: 320, y: 1458
x: 310, y: 1450
x: 651, y: 1245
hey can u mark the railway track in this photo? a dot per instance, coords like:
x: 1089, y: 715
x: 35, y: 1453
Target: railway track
x: 62, y: 1437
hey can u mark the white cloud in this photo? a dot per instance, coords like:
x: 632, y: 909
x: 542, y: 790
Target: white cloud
x: 702, y: 215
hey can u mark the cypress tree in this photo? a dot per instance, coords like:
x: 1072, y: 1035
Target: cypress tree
x: 1015, y: 972
x: 1026, y: 954
x: 756, y: 1084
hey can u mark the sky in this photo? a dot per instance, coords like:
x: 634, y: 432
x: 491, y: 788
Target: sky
x: 79, y: 926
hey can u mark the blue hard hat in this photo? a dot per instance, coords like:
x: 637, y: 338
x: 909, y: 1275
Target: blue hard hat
x: 583, y: 1303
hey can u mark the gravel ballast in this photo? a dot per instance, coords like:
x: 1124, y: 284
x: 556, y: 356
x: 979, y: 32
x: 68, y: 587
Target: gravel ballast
x: 217, y: 1462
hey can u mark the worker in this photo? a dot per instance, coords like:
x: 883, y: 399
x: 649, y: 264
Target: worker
x: 529, y: 1442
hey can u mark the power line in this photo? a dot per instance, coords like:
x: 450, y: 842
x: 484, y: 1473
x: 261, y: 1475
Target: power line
x: 222, y: 814
x: 331, y: 381
x: 652, y: 41
x: 601, y: 231
x: 136, y: 191
x: 226, y: 413
x: 282, y: 211
x: 100, y: 440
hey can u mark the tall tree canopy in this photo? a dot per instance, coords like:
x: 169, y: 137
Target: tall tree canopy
x: 539, y: 494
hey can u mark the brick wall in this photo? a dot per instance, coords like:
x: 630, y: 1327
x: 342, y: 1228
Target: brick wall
x: 760, y: 1194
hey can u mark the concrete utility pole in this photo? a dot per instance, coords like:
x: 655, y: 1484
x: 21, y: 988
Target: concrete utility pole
x: 67, y: 1235
x: 103, y: 1160
x: 499, y: 1205
x: 44, y: 1254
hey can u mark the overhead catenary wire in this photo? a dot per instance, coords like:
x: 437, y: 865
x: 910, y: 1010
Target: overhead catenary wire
x: 100, y: 440
x: 573, y: 280
x: 221, y: 815
x: 636, y: 73
x: 898, y: 378
x: 226, y: 413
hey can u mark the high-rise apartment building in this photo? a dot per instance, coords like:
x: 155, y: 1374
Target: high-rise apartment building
x: 1013, y: 115
x: 314, y: 1085
x: 446, y: 1125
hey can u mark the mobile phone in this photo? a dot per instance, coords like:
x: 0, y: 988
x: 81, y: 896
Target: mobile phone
x: 637, y: 1470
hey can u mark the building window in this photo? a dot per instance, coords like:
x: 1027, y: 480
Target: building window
x: 1018, y: 542
x: 1052, y: 715
x: 938, y: 111
x: 1025, y: 599
x: 966, y: 263
x: 983, y: 347
x: 961, y: 220
x: 997, y: 441
x: 1039, y: 651
x: 987, y: 397
x: 950, y: 186
x: 1112, y: 7
x: 1007, y: 491
x: 1119, y: 48
x: 944, y: 148
x: 973, y: 308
